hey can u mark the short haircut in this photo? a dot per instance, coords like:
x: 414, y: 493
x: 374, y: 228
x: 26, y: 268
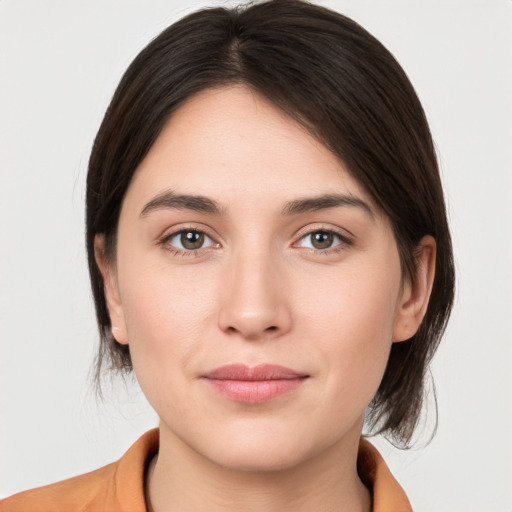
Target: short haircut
x: 341, y: 84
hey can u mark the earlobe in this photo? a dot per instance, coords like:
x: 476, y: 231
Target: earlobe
x: 415, y: 295
x: 111, y: 291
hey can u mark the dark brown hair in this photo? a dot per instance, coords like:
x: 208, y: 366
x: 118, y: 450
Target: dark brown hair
x: 345, y: 88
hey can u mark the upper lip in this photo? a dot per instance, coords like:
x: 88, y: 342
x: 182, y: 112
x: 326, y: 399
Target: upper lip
x: 254, y: 373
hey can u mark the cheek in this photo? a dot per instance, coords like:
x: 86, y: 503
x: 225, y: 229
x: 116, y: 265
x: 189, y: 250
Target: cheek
x: 351, y: 318
x: 358, y: 305
x: 165, y: 314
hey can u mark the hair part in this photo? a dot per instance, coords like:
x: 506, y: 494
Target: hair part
x: 343, y: 86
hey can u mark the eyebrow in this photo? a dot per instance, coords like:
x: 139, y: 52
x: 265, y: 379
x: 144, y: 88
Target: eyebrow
x: 171, y: 200
x: 325, y: 201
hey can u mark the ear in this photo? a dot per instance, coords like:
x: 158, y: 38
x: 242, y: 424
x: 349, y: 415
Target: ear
x: 111, y: 291
x: 415, y: 296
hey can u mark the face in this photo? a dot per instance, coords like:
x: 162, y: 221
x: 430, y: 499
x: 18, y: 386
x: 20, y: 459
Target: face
x: 257, y: 285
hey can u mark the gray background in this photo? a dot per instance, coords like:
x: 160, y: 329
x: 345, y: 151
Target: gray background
x: 59, y: 64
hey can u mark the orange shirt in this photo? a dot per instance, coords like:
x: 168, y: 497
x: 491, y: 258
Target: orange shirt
x: 119, y: 487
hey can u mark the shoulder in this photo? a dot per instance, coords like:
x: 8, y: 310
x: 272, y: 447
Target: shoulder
x: 387, y: 494
x: 77, y: 493
x: 116, y: 487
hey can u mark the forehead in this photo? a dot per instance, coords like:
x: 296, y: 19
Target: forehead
x: 231, y: 143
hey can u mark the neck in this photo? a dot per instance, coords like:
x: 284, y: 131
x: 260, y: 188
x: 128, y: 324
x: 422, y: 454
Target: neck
x: 181, y: 479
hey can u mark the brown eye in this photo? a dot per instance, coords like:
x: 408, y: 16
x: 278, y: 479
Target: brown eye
x: 188, y: 240
x: 322, y: 239
x: 192, y: 240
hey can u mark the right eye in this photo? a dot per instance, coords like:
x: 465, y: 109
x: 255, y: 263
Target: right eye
x: 188, y: 241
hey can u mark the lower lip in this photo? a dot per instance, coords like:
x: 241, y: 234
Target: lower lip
x: 255, y: 391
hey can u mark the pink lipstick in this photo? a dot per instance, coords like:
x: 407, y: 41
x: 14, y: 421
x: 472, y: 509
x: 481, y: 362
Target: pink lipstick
x: 254, y: 385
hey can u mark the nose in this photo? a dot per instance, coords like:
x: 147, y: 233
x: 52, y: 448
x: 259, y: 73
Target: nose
x: 254, y: 300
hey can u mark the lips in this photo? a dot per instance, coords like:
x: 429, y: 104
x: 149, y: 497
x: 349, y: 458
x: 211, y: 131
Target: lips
x: 256, y: 384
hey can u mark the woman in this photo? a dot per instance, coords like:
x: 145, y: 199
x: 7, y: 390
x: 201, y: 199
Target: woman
x: 269, y: 252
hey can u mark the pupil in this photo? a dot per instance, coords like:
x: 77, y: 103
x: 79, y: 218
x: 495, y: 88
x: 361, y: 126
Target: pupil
x: 192, y: 239
x: 322, y: 240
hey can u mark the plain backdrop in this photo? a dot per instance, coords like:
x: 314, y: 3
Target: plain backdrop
x: 59, y: 64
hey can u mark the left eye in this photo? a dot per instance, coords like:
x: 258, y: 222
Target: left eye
x: 189, y: 240
x: 321, y: 240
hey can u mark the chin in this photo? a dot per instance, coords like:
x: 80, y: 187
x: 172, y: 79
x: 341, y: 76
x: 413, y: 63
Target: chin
x: 257, y: 458
x: 265, y: 449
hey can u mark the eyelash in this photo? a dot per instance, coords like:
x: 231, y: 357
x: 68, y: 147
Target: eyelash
x: 181, y: 252
x: 344, y: 242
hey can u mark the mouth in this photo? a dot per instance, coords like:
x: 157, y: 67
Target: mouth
x: 254, y: 385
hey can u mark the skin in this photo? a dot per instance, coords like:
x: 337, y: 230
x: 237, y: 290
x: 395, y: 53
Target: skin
x: 257, y: 291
